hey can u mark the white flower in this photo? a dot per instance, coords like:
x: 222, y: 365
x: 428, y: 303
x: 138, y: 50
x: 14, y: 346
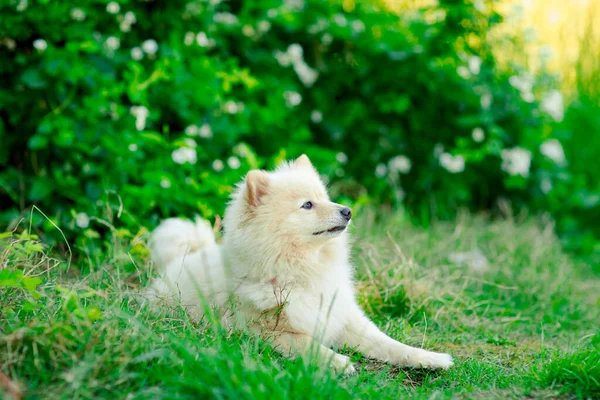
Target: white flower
x: 341, y: 158
x: 248, y: 30
x: 295, y: 51
x: 140, y: 113
x: 357, y: 26
x: 478, y: 134
x: 113, y: 7
x: 486, y: 100
x: 516, y: 161
x: 40, y: 44
x: 202, y: 39
x: 218, y: 165
x: 552, y: 104
x: 453, y: 164
x: 327, y: 39
x: 480, y: 6
x: 132, y: 147
x: 189, y: 38
x: 77, y: 14
x: 112, y: 43
x: 189, y: 181
x: 553, y: 150
x: 130, y: 17
x: 400, y: 163
x: 128, y: 20
x: 165, y: 183
x: 231, y: 107
x: 233, y: 162
x: 272, y: 13
x: 264, y: 26
x: 191, y: 130
x: 474, y: 65
x: 9, y: 43
x: 294, y: 5
x: 463, y: 72
x: 524, y: 82
x: 150, y: 46
x: 292, y: 99
x: 205, y: 131
x: 225, y: 18
x: 283, y: 59
x: 137, y: 53
x: 528, y: 97
x: 241, y: 150
x: 546, y: 185
x: 320, y: 26
x: 125, y: 26
x: 340, y: 20
x: 22, y: 6
x: 316, y: 116
x: 190, y: 142
x: 380, y: 170
x: 82, y: 220
x: 307, y: 75
x: 184, y: 155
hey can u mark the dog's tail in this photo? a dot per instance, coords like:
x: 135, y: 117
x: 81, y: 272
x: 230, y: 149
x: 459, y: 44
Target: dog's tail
x: 176, y: 237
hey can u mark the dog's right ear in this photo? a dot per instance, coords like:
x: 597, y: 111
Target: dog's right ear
x: 257, y: 184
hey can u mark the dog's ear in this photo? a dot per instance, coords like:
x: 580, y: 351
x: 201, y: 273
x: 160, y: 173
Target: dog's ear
x: 257, y: 184
x: 303, y: 162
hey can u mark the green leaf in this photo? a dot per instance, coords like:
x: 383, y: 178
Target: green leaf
x: 10, y: 278
x: 38, y: 142
x: 33, y: 79
x: 94, y: 313
x: 40, y: 189
x: 31, y: 283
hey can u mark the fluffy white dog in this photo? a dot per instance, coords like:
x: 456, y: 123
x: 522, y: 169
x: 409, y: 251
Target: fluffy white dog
x: 284, y: 263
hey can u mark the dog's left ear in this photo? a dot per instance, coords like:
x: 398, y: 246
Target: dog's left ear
x: 257, y: 185
x: 303, y: 162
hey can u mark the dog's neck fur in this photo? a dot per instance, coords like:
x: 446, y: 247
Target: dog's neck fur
x: 259, y: 260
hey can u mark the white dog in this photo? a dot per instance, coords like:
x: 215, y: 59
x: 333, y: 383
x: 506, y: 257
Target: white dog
x: 284, y: 262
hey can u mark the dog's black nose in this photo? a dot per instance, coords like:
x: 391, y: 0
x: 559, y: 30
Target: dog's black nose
x: 347, y: 213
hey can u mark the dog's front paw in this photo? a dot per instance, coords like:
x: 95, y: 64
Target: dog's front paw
x: 342, y: 365
x: 431, y: 360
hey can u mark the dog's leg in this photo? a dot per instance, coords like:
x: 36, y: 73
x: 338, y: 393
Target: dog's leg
x: 363, y: 335
x: 292, y: 344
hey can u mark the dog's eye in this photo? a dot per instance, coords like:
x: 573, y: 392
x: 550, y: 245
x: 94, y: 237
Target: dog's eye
x: 308, y: 205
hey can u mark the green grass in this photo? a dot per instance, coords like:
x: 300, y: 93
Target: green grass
x: 524, y: 325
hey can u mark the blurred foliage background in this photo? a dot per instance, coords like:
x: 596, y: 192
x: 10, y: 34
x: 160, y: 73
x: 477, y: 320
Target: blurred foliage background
x: 114, y: 114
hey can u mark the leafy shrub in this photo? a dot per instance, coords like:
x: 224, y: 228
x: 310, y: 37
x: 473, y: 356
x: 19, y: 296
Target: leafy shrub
x: 133, y: 111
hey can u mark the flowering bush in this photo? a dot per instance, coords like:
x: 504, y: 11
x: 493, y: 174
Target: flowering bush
x: 120, y: 113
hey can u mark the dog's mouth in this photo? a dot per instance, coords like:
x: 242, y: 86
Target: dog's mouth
x: 335, y: 229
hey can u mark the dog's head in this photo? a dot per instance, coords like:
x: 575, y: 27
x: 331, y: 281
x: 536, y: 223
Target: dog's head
x: 290, y: 202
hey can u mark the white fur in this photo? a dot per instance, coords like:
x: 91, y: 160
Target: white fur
x: 289, y: 284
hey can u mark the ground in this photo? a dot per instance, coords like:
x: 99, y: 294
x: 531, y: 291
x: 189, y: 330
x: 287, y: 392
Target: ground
x: 520, y: 317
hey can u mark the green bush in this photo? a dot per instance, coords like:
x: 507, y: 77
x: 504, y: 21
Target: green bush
x: 115, y: 114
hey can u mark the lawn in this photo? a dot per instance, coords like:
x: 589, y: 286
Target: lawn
x: 520, y: 317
